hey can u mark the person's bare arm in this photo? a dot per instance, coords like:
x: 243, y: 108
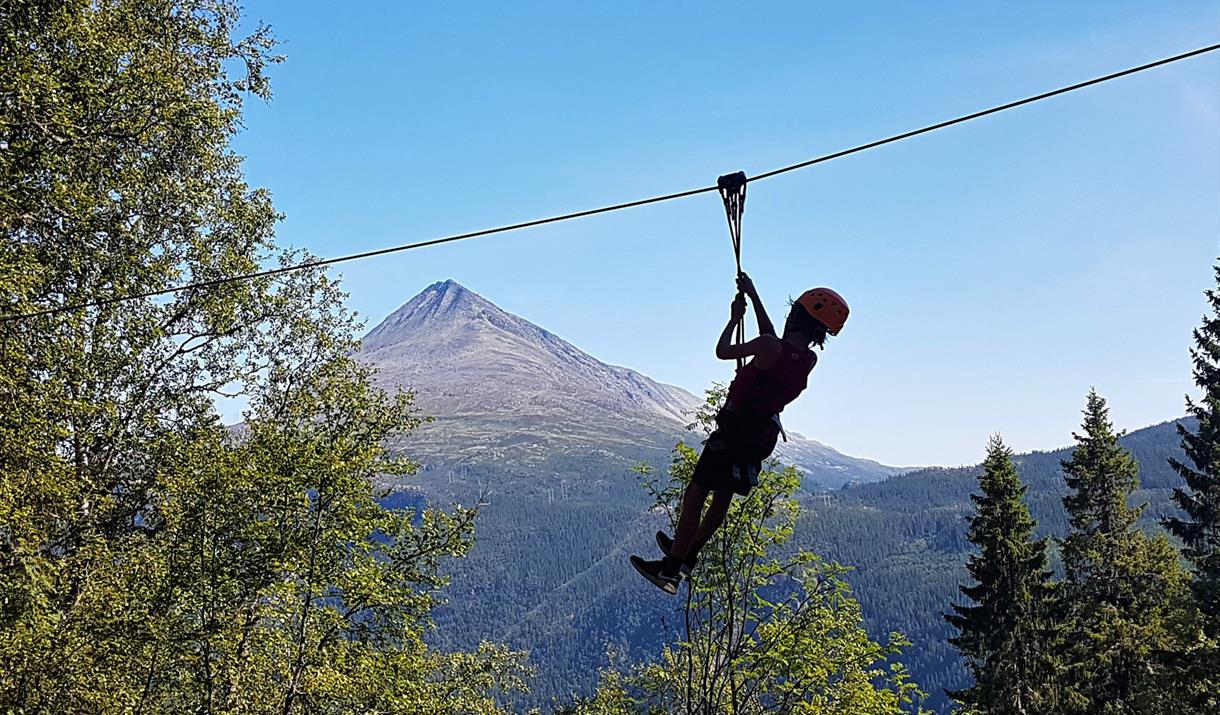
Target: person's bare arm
x: 764, y: 348
x: 746, y: 286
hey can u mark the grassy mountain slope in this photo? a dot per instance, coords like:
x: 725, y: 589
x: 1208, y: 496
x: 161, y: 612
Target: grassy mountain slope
x: 506, y: 392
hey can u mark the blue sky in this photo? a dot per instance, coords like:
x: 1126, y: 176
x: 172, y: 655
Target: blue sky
x: 995, y: 270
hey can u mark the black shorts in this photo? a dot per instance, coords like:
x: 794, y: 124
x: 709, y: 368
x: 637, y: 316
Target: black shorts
x: 720, y: 470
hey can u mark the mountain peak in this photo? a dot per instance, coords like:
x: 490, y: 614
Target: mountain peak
x: 447, y: 295
x: 498, y: 381
x: 447, y: 285
x: 469, y: 356
x: 443, y: 303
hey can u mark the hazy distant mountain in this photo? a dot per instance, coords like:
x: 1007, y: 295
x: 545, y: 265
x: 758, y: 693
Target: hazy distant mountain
x: 505, y: 390
x: 498, y: 382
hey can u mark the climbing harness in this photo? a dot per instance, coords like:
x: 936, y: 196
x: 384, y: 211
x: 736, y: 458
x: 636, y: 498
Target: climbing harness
x: 733, y: 192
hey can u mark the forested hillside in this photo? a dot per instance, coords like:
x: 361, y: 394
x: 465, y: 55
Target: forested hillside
x: 552, y: 577
x: 906, y: 539
x: 562, y: 508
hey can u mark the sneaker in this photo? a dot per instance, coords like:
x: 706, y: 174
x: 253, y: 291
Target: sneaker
x: 666, y: 544
x: 654, y: 571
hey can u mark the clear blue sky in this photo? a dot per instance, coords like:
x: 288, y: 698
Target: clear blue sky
x: 995, y: 270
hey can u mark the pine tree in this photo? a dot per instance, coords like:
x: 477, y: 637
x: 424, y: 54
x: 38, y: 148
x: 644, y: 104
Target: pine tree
x: 1101, y: 475
x: 1002, y: 636
x: 1124, y: 593
x: 1199, y: 529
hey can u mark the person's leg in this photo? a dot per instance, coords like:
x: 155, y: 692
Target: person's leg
x: 688, y: 521
x: 712, y: 520
x: 712, y: 469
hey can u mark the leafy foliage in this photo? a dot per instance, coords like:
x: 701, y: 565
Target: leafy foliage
x: 765, y: 628
x: 152, y: 560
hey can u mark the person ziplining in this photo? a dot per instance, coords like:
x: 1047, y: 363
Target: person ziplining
x: 748, y: 426
x: 772, y: 371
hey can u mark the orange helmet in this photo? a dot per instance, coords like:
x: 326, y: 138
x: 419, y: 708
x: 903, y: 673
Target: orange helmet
x: 827, y: 306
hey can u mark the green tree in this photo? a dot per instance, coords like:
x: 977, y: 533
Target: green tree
x: 1125, y: 596
x: 152, y: 560
x: 303, y: 593
x: 1004, y: 634
x: 612, y: 697
x: 765, y: 628
x: 1199, y: 526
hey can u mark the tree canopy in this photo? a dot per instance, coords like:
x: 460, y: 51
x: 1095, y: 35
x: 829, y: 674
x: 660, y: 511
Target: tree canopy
x: 151, y: 558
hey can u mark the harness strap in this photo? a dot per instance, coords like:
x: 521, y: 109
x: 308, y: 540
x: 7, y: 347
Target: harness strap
x: 733, y: 192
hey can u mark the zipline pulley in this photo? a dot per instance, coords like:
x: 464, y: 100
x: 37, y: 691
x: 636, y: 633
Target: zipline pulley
x: 733, y: 192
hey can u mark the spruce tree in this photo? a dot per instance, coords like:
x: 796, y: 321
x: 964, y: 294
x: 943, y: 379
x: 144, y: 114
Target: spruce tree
x: 1002, y: 636
x: 1124, y: 593
x: 1199, y: 527
x: 1101, y: 475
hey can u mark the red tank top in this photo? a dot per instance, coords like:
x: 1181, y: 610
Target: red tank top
x: 768, y: 391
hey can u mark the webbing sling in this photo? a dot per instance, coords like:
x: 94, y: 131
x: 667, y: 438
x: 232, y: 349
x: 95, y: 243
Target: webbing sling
x: 733, y: 191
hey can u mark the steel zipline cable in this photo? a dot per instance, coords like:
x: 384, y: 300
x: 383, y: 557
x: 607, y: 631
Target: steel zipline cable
x: 615, y: 207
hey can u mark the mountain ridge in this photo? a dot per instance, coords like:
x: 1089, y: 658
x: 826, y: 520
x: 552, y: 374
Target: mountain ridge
x: 453, y: 318
x: 503, y: 388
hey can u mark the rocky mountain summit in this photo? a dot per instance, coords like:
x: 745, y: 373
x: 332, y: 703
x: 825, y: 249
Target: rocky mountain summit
x: 505, y: 390
x: 470, y: 357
